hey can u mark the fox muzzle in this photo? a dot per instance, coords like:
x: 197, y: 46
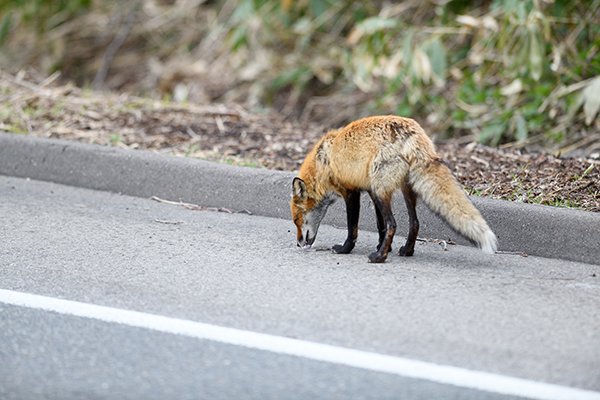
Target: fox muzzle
x: 306, y: 240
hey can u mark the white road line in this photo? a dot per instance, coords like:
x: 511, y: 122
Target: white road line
x: 405, y: 367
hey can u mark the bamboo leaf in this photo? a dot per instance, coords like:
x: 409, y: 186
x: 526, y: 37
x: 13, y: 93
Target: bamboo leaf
x: 376, y: 24
x: 535, y: 54
x: 422, y: 65
x: 5, y: 27
x: 591, y: 100
x: 468, y: 20
x: 370, y: 26
x: 492, y: 133
x: 318, y: 7
x: 513, y: 88
x: 296, y: 77
x: 407, y: 47
x: 437, y: 56
x: 521, y: 131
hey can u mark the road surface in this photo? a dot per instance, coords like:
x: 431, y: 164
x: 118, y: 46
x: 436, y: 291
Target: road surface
x: 311, y: 324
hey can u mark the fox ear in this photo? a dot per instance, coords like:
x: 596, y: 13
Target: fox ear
x: 298, y: 188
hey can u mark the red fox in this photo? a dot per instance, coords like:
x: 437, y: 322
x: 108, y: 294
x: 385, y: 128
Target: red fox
x: 379, y: 155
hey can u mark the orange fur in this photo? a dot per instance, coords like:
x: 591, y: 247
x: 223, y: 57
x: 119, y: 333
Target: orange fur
x: 380, y: 155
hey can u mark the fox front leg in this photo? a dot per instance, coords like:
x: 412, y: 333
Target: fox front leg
x: 352, y: 200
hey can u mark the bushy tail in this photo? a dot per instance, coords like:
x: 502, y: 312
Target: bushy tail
x: 438, y: 188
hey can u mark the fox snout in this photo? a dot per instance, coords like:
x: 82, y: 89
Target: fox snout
x: 306, y: 240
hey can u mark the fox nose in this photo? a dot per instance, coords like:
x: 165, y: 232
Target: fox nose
x: 305, y: 242
x: 309, y: 240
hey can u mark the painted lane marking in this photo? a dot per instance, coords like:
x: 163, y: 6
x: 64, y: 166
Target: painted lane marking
x: 404, y: 367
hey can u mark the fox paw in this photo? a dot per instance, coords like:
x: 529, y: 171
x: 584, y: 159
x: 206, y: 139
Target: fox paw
x: 341, y: 249
x: 405, y: 253
x: 376, y: 257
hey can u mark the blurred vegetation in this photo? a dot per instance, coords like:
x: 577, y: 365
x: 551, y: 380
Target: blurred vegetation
x: 525, y: 71
x: 40, y: 15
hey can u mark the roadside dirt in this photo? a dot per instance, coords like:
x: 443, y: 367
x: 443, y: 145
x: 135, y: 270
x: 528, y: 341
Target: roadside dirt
x: 231, y: 134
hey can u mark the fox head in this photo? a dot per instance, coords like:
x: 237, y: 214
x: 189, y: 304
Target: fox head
x: 307, y: 212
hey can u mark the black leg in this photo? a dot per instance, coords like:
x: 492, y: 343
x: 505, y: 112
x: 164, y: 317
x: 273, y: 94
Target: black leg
x: 385, y: 207
x: 410, y: 198
x: 352, y: 212
x: 380, y: 224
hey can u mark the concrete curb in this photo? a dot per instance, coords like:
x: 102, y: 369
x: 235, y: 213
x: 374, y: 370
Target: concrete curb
x: 537, y: 230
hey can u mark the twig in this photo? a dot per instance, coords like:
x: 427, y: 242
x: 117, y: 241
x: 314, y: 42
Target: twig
x: 114, y: 47
x: 516, y: 253
x: 220, y: 125
x: 581, y: 187
x: 51, y: 79
x: 443, y: 243
x: 579, y: 144
x: 196, y: 207
x: 430, y: 240
x: 563, y: 91
x: 164, y: 221
x: 480, y: 161
x: 19, y: 81
x: 192, y: 134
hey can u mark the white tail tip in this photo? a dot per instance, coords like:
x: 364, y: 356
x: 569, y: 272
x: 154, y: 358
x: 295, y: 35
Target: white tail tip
x: 489, y: 242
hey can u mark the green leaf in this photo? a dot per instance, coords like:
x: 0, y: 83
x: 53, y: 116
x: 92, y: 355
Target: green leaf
x: 407, y: 47
x: 491, y: 134
x: 437, y: 57
x: 238, y: 38
x: 318, y: 7
x: 5, y: 27
x: 296, y: 77
x: 242, y: 12
x: 521, y: 48
x: 591, y: 100
x: 536, y: 54
x: 521, y: 132
x: 115, y: 139
x: 375, y: 24
x: 421, y: 65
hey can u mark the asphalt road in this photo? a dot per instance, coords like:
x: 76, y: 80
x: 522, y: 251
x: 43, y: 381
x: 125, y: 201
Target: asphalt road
x: 526, y: 317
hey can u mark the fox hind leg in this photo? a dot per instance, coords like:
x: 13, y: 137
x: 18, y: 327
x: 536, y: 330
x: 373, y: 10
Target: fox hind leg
x: 384, y: 207
x: 410, y: 198
x: 380, y: 225
x: 352, y: 200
